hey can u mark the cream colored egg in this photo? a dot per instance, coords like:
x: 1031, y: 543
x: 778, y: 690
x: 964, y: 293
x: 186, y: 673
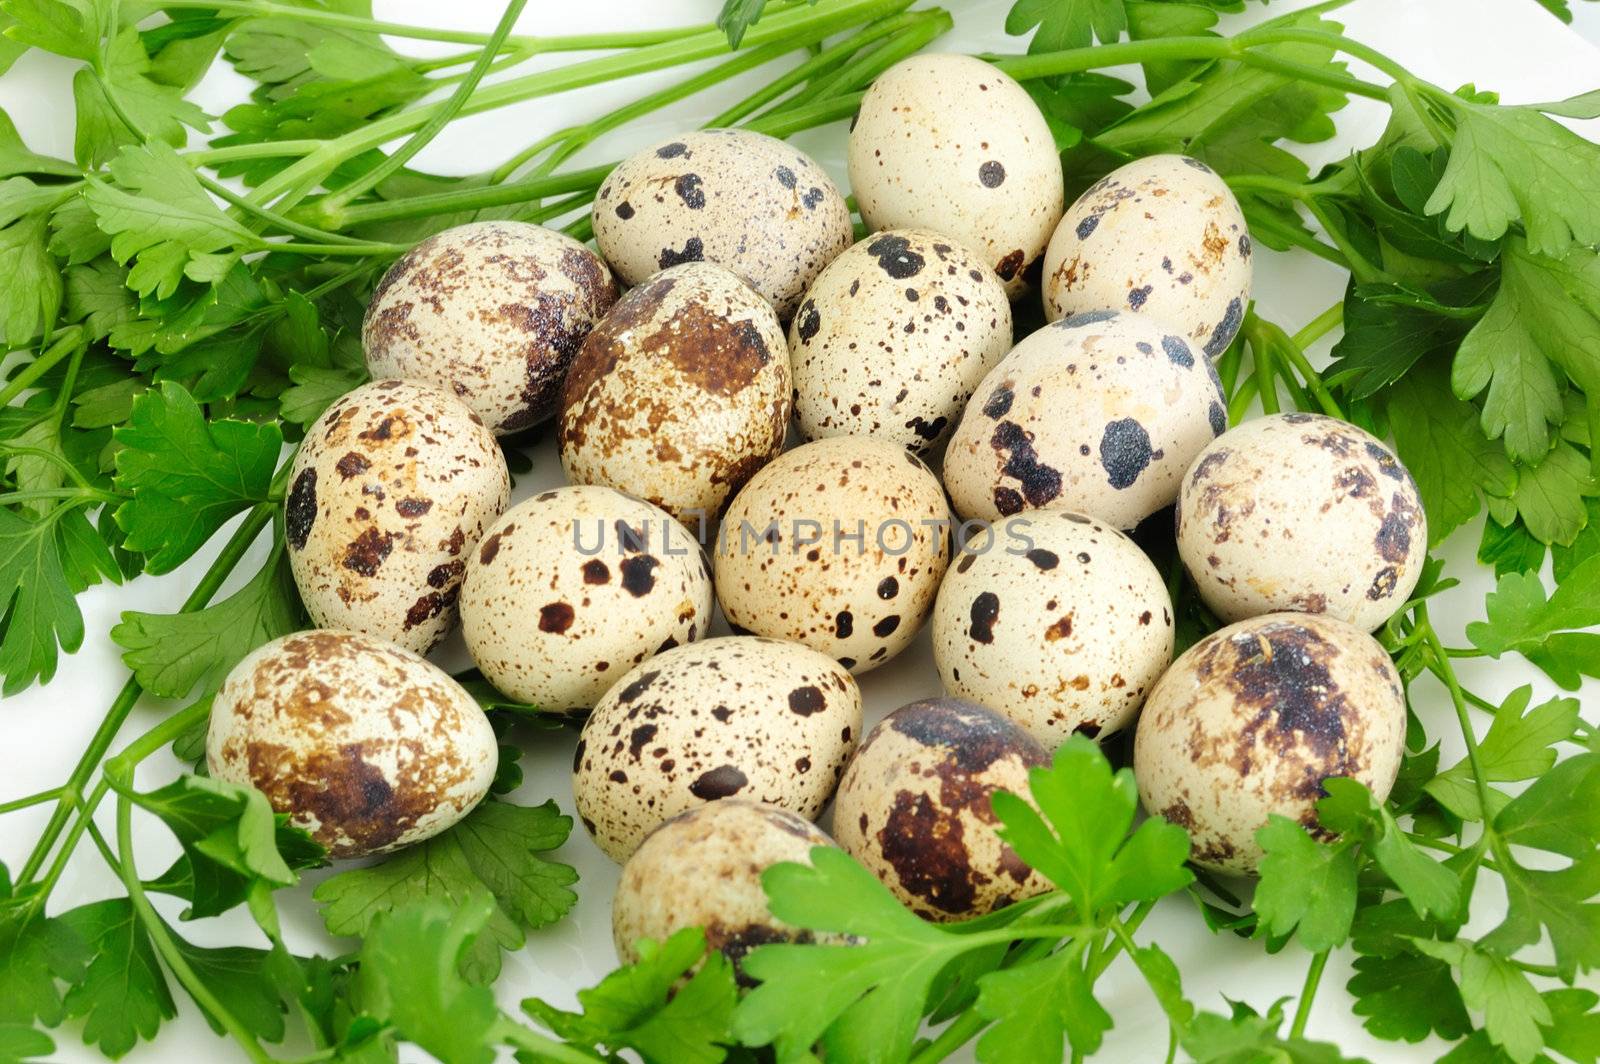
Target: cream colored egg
x: 913, y: 807
x: 703, y: 869
x: 679, y: 394
x: 743, y: 200
x: 1162, y: 236
x: 1250, y: 720
x: 951, y: 144
x: 491, y: 311
x: 360, y: 742
x: 1097, y: 413
x: 1056, y: 620
x: 575, y: 586
x: 893, y: 336
x: 737, y: 717
x: 389, y: 493
x: 840, y: 545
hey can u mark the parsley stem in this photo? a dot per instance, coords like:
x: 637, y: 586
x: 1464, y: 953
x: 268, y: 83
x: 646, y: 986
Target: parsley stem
x: 1308, y: 994
x: 1463, y: 652
x: 1240, y: 403
x: 1319, y: 326
x: 31, y: 800
x: 464, y: 199
x: 33, y: 371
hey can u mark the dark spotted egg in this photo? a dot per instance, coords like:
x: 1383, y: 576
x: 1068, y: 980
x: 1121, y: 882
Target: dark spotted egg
x: 1249, y: 721
x: 1302, y: 512
x: 949, y: 143
x: 1098, y: 413
x: 360, y: 742
x: 736, y: 717
x: 893, y: 336
x: 575, y: 586
x: 1056, y: 620
x: 679, y: 394
x: 491, y: 311
x: 388, y: 495
x: 740, y: 199
x: 1162, y: 236
x: 839, y: 544
x: 914, y: 807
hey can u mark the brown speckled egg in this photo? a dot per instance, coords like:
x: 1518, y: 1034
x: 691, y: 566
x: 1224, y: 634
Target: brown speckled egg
x: 1098, y: 413
x: 738, y: 717
x: 949, y: 143
x: 575, y: 586
x: 743, y: 200
x: 1162, y: 236
x: 492, y: 311
x: 389, y: 493
x: 679, y: 394
x: 914, y: 807
x: 1056, y: 620
x: 893, y: 336
x: 840, y: 545
x: 1302, y: 512
x: 703, y: 869
x: 1250, y: 720
x: 360, y: 742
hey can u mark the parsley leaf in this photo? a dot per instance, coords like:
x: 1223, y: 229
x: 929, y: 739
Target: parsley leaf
x: 1034, y: 1005
x: 35, y: 951
x: 1350, y: 809
x: 32, y: 292
x: 1406, y: 996
x: 1307, y: 887
x: 44, y: 562
x: 1064, y: 24
x: 1518, y: 746
x: 1550, y: 496
x: 122, y: 996
x: 159, y: 111
x: 1522, y: 619
x: 19, y: 1042
x: 1513, y: 1012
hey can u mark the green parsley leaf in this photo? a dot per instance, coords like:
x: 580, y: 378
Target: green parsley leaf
x: 1510, y: 548
x: 63, y: 28
x: 158, y: 111
x: 1564, y: 558
x: 20, y: 1042
x: 1350, y: 809
x: 1035, y: 1005
x: 1520, y: 618
x: 1064, y: 24
x: 42, y: 563
x: 737, y: 16
x: 1306, y: 887
x: 1550, y: 496
x: 1248, y: 1036
x: 239, y: 978
x: 97, y: 295
x: 1513, y: 1012
x: 17, y: 158
x: 1518, y: 746
x: 34, y: 953
x: 32, y: 292
x: 1575, y: 1030
x: 1407, y: 996
x: 122, y: 996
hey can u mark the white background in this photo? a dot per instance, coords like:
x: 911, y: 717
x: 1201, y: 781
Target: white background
x: 1508, y: 45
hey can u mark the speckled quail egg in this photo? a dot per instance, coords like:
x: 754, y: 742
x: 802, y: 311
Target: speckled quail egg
x: 1302, y: 512
x: 1161, y: 236
x: 949, y: 143
x: 743, y: 200
x: 388, y: 494
x: 893, y: 336
x: 739, y: 717
x: 492, y: 311
x: 1250, y: 720
x: 1056, y: 620
x: 703, y: 869
x: 839, y: 544
x: 1098, y: 413
x: 680, y: 393
x: 360, y: 742
x: 575, y: 586
x: 914, y: 807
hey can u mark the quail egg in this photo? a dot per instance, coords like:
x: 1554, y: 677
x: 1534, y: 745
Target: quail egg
x: 388, y: 494
x: 680, y: 393
x: 491, y: 311
x: 893, y: 336
x: 575, y: 586
x: 1162, y: 236
x: 1249, y: 722
x: 740, y: 199
x: 1098, y: 413
x: 913, y: 807
x: 951, y: 144
x: 1057, y: 621
x: 360, y: 742
x: 1302, y: 512
x: 733, y: 717
x: 838, y: 544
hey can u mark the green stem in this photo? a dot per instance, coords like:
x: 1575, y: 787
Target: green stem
x: 1266, y: 376
x: 1308, y: 994
x: 37, y: 368
x: 785, y: 123
x: 1242, y: 399
x: 467, y: 199
x: 1463, y: 652
x: 1319, y: 326
x: 31, y: 800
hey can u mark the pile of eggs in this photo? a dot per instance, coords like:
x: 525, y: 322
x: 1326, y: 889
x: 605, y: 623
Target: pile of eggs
x: 942, y: 473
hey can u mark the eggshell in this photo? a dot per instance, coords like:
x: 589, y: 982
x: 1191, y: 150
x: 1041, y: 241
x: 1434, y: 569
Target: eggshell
x: 1161, y: 236
x: 491, y: 311
x: 914, y: 807
x: 949, y: 143
x: 893, y: 336
x: 1302, y: 512
x: 1056, y: 620
x: 1249, y: 722
x: 679, y: 394
x: 1098, y: 413
x: 362, y: 743
x: 573, y: 587
x: 740, y: 199
x: 840, y: 545
x: 388, y: 494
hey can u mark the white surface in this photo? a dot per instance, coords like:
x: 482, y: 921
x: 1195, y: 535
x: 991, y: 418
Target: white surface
x: 1509, y: 45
